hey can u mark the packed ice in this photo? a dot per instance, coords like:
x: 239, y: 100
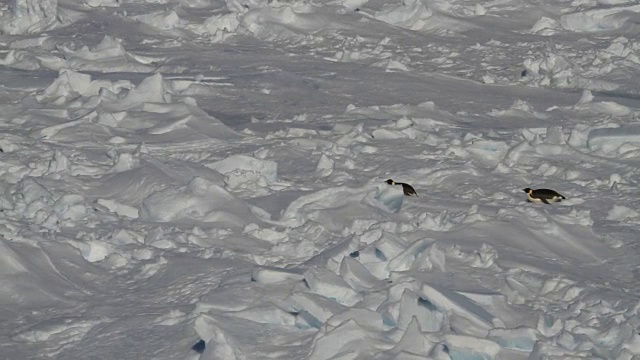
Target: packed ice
x: 206, y: 179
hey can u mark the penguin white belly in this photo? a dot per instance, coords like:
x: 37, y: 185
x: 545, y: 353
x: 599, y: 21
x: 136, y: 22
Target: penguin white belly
x: 539, y: 201
x: 534, y: 200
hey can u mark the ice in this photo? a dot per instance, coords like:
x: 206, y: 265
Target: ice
x: 411, y: 257
x: 268, y: 314
x: 250, y: 168
x: 613, y: 138
x: 150, y: 90
x: 598, y: 20
x: 348, y: 339
x: 109, y: 55
x: 366, y: 318
x: 318, y: 307
x: 411, y: 306
x: 203, y: 179
x: 271, y: 275
x: 469, y: 348
x: 621, y: 213
x: 490, y: 152
x: 414, y: 16
x: 325, y: 166
x: 330, y: 285
x: 519, y: 339
x: 389, y: 198
x: 467, y: 317
x: 200, y: 200
x: 30, y: 16
x: 413, y: 342
x: 357, y: 275
x: 215, y: 338
x: 221, y: 26
x: 164, y: 20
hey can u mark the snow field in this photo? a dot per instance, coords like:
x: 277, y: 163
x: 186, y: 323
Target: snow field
x: 213, y: 173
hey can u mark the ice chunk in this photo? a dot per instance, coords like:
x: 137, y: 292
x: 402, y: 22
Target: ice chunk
x: 109, y: 47
x: 69, y: 206
x: 386, y: 134
x: 466, y: 316
x: 30, y: 16
x: 150, y: 90
x: 93, y: 250
x: 267, y: 314
x: 366, y: 318
x: 389, y: 198
x: 324, y: 166
x: 357, y: 276
x: 600, y: 19
x: 426, y: 313
x: 328, y: 284
x: 163, y: 20
x: 412, y: 14
x: 347, y: 339
x: 471, y: 348
x: 120, y: 209
x: 269, y: 275
x: 389, y: 246
x: 407, y: 259
x: 320, y: 307
x: 413, y: 344
x: 252, y: 167
x: 518, y: 339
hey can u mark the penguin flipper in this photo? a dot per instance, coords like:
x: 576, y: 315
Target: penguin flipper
x: 545, y: 201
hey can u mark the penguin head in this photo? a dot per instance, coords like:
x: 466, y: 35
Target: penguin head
x: 527, y: 190
x: 390, y: 182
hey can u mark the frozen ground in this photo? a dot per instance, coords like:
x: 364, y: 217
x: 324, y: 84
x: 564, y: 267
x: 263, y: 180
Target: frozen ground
x: 202, y: 179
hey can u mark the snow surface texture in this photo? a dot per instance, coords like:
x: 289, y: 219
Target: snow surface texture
x: 204, y: 179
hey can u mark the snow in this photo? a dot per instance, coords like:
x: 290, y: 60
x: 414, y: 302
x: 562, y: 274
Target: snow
x: 205, y: 179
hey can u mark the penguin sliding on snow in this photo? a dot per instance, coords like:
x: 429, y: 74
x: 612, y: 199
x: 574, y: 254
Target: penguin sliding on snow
x: 543, y: 196
x: 406, y: 188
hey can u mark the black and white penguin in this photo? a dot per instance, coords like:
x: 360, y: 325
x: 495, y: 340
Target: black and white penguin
x: 406, y: 188
x: 543, y: 196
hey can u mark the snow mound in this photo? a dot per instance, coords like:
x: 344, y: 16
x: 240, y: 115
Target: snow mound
x: 200, y: 201
x: 604, y: 19
x: 413, y: 14
x: 111, y: 111
x: 132, y: 184
x: 243, y: 171
x: 610, y: 139
x: 30, y: 16
x: 107, y: 56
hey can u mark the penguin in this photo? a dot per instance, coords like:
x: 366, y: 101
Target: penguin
x: 406, y: 188
x: 546, y: 196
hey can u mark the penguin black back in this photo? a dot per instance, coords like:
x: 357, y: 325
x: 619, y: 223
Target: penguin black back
x: 545, y: 196
x: 407, y: 189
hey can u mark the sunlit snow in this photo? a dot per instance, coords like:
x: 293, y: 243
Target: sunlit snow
x: 205, y: 179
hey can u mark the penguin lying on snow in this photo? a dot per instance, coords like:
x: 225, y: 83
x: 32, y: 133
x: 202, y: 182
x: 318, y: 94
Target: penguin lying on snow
x: 406, y: 188
x: 546, y: 196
